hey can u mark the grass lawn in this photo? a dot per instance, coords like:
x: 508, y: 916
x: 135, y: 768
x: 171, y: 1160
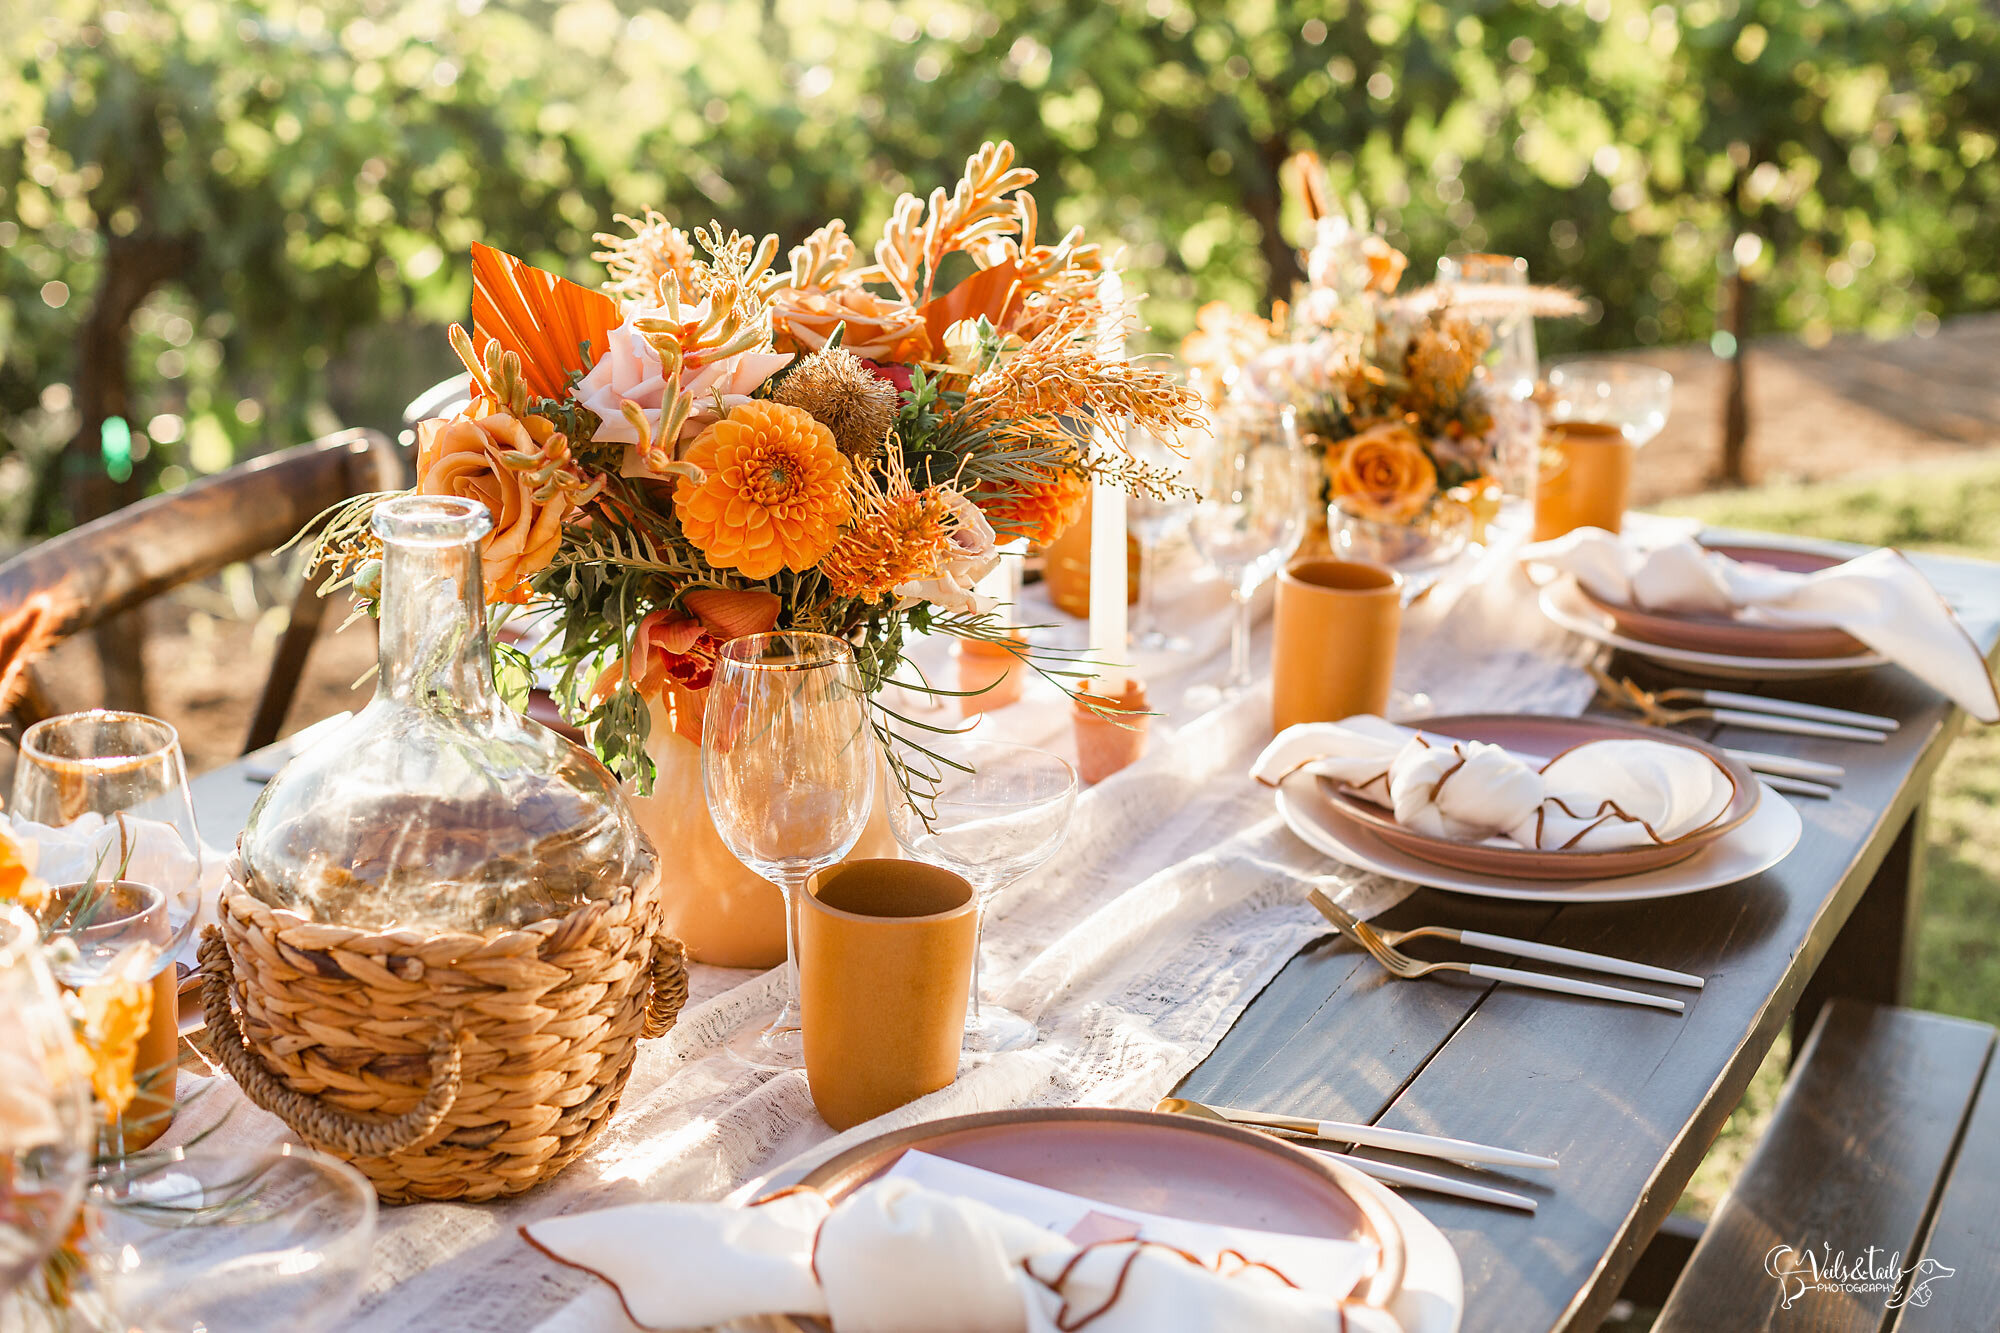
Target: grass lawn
x: 1952, y: 510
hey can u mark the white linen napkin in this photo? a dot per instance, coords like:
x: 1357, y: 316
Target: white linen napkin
x: 1598, y: 796
x: 1880, y: 598
x: 896, y: 1257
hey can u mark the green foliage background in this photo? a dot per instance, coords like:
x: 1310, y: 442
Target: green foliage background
x: 273, y: 199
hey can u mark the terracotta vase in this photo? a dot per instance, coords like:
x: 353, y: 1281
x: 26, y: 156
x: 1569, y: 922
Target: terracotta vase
x: 1066, y: 567
x: 1110, y: 731
x: 1333, y: 645
x: 885, y: 972
x: 724, y: 912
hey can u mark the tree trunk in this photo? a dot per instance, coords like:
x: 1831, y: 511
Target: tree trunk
x: 133, y: 267
x: 1265, y: 201
x: 1737, y: 293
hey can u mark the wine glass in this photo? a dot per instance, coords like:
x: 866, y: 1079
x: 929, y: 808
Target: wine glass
x: 45, y: 1121
x: 1510, y: 358
x: 104, y: 797
x: 991, y: 812
x: 788, y: 766
x: 233, y: 1241
x: 1155, y: 519
x: 1632, y: 397
x: 1252, y: 510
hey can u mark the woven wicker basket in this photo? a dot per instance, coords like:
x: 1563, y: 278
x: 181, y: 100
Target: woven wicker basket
x: 447, y: 1066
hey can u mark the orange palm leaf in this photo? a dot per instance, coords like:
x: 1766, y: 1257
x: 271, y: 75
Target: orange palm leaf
x: 543, y: 319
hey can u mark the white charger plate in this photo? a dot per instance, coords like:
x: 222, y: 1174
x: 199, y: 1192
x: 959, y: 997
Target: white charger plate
x: 1762, y: 841
x: 1563, y: 604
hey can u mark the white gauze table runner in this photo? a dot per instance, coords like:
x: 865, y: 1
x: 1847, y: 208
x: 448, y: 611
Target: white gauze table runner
x: 1176, y: 898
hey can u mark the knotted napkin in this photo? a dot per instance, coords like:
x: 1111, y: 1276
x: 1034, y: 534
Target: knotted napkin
x: 1880, y: 598
x: 1596, y: 797
x: 896, y: 1257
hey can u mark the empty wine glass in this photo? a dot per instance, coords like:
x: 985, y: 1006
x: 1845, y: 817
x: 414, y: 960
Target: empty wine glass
x: 991, y: 812
x: 45, y: 1121
x: 1632, y: 397
x: 788, y: 766
x: 233, y: 1241
x: 1252, y: 510
x: 1155, y: 518
x: 1479, y: 283
x: 104, y: 798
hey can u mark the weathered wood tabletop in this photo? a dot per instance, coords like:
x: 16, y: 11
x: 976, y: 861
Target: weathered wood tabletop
x: 1628, y: 1099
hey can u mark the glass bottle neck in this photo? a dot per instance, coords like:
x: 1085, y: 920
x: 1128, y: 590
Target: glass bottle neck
x: 434, y: 650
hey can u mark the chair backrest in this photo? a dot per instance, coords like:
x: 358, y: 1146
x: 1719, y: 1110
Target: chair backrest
x: 119, y: 561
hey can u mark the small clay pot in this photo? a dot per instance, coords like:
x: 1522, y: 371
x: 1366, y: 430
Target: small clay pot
x: 1110, y: 731
x: 994, y: 670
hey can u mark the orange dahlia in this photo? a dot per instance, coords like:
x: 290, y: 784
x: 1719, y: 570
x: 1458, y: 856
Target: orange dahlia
x: 1039, y: 511
x: 773, y: 492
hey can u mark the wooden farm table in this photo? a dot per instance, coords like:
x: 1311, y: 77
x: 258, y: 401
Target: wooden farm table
x: 1629, y: 1099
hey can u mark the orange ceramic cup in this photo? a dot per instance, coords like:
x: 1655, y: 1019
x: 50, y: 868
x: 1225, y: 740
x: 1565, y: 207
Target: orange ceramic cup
x: 1333, y: 652
x: 1586, y: 478
x: 885, y: 971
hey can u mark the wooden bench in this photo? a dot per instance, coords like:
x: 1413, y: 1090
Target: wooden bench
x: 1887, y: 1135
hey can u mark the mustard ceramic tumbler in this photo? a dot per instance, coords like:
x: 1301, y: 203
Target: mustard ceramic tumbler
x: 1586, y: 479
x: 1333, y: 652
x: 885, y: 971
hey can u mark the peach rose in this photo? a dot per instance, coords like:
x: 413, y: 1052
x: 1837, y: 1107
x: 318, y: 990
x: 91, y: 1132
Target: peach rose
x: 464, y: 456
x: 1383, y: 474
x: 629, y: 371
x: 878, y: 329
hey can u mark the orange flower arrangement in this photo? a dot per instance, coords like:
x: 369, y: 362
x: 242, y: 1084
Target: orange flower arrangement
x: 772, y: 494
x: 1383, y: 474
x: 1040, y: 511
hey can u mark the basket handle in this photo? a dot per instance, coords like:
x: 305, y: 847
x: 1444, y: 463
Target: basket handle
x: 323, y: 1125
x: 669, y: 981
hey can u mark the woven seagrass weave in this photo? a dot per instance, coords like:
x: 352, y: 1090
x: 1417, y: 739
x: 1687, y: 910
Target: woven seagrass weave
x: 446, y: 1066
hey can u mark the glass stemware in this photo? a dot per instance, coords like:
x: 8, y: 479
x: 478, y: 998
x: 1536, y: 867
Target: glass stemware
x: 788, y: 767
x: 1252, y: 510
x: 104, y: 797
x: 1155, y: 519
x: 991, y: 812
x: 1510, y: 358
x: 45, y: 1120
x: 233, y: 1241
x: 1632, y: 397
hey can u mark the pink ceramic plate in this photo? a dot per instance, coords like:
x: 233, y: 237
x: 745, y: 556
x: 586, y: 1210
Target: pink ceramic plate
x: 1200, y: 1170
x: 1531, y: 734
x: 1727, y: 635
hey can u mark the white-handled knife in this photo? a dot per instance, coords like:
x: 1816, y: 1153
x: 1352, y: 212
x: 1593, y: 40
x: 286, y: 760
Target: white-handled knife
x: 1593, y: 962
x: 1395, y: 1140
x: 1736, y: 717
x: 1425, y: 1180
x: 1788, y: 766
x: 1565, y: 986
x: 1757, y: 703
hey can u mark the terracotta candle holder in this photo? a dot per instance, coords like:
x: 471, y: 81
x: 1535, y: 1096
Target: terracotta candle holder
x: 885, y: 973
x: 1110, y: 731
x: 994, y: 669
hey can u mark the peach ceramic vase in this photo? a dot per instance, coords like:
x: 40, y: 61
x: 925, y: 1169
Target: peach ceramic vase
x: 1066, y: 567
x: 720, y: 909
x: 1586, y: 478
x: 1333, y: 647
x: 885, y: 973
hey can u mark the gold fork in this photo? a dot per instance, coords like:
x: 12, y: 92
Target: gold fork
x: 1652, y: 707
x: 1401, y: 965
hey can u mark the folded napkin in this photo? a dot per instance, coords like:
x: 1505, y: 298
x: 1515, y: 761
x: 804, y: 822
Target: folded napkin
x: 896, y: 1257
x: 1595, y: 797
x: 1880, y: 598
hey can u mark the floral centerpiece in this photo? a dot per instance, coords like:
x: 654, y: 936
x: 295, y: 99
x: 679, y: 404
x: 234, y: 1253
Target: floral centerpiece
x: 718, y: 443
x: 1390, y: 388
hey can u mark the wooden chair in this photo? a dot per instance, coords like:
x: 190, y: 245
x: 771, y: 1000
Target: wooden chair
x: 1887, y: 1135
x: 124, y: 559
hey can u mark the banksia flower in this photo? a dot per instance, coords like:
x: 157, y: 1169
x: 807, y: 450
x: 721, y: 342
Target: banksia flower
x: 772, y: 494
x: 846, y: 397
x: 1445, y: 351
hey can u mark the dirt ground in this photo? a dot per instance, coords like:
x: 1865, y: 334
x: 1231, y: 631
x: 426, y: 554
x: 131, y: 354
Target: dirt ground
x: 1851, y: 407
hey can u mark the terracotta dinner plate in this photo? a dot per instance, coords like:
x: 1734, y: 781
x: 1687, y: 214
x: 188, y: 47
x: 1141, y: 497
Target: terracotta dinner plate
x: 1529, y: 734
x: 1728, y: 635
x: 1167, y: 1164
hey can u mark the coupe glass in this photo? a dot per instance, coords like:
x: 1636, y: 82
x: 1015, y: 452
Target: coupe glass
x: 1156, y: 519
x: 990, y: 812
x: 229, y: 1241
x: 1251, y: 479
x: 1633, y: 397
x: 45, y: 1120
x: 788, y: 766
